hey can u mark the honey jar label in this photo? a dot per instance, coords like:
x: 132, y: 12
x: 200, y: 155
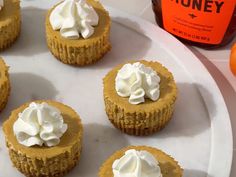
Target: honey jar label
x: 204, y: 21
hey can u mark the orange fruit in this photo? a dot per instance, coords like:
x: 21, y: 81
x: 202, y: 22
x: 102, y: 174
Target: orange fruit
x: 232, y: 62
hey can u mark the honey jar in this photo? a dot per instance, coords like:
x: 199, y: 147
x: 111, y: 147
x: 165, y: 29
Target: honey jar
x: 204, y: 23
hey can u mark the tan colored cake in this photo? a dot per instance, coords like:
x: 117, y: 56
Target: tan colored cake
x: 145, y: 118
x: 4, y: 84
x: 38, y: 161
x: 10, y: 22
x: 81, y: 51
x: 169, y: 167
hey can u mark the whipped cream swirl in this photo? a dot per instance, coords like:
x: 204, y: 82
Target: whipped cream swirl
x: 39, y: 124
x: 136, y: 164
x: 74, y: 17
x: 137, y: 81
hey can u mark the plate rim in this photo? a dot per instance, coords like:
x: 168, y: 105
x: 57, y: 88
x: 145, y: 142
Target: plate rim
x: 215, y: 169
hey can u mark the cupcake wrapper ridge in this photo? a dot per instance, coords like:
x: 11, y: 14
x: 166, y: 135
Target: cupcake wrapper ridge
x: 49, y: 167
x: 4, y: 87
x: 139, y: 124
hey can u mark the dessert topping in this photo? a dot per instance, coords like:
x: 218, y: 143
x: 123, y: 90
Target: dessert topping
x: 136, y: 164
x: 137, y: 81
x: 74, y: 17
x: 39, y: 124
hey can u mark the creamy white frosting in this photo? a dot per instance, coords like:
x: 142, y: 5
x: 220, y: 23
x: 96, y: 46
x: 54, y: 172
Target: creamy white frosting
x: 39, y: 124
x: 137, y: 81
x: 1, y: 4
x: 136, y: 164
x: 74, y: 17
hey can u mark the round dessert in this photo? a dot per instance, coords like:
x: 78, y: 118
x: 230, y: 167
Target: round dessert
x: 44, y: 138
x: 10, y: 22
x: 77, y: 31
x: 139, y: 97
x: 4, y: 84
x: 139, y: 161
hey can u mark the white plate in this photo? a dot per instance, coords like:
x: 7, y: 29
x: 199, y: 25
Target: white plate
x: 199, y: 135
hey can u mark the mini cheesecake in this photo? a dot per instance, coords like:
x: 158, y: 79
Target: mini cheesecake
x: 81, y: 51
x: 37, y: 161
x: 145, y: 118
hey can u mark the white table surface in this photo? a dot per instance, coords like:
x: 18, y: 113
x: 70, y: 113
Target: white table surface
x: 216, y: 61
